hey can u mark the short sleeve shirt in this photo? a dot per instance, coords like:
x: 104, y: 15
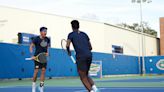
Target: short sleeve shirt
x: 41, y: 45
x: 80, y: 41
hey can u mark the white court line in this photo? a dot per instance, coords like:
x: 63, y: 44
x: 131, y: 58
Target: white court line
x: 121, y: 88
x: 87, y: 91
x: 12, y: 86
x: 81, y: 91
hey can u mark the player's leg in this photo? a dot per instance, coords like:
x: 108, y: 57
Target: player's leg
x: 83, y: 73
x: 90, y: 81
x: 89, y: 61
x: 36, y: 69
x: 42, y: 76
x: 94, y: 87
x: 35, y: 75
x: 84, y: 79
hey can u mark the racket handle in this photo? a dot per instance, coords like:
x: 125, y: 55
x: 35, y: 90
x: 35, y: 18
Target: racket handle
x: 28, y: 59
x: 73, y: 60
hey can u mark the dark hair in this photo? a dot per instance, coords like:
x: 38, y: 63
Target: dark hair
x: 43, y: 28
x: 75, y: 24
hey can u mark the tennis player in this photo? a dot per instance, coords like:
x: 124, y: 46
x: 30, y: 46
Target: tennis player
x: 82, y: 46
x: 41, y: 44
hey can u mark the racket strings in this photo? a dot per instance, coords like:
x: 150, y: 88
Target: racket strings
x: 42, y: 58
x: 63, y: 45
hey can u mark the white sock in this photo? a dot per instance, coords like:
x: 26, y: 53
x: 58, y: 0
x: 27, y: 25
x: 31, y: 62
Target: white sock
x: 41, y: 86
x: 94, y: 88
x: 33, y: 86
x: 33, y: 83
x: 41, y: 89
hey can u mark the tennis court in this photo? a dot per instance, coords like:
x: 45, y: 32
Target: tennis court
x: 59, y: 39
x: 110, y: 84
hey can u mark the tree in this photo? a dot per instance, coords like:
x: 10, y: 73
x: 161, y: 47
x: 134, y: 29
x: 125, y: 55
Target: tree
x: 137, y: 27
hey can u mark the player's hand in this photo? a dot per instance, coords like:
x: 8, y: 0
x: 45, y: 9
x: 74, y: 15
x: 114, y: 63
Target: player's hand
x: 69, y: 53
x: 33, y: 57
x: 47, y: 54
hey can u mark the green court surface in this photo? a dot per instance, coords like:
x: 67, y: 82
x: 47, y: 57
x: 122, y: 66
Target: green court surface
x: 114, y: 81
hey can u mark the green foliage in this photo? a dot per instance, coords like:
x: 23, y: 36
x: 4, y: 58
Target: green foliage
x: 137, y: 27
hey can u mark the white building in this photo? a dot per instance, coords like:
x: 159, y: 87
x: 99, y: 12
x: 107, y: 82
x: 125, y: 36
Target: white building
x: 102, y: 35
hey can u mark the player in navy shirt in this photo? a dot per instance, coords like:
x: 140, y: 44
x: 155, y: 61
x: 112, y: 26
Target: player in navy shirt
x: 82, y: 46
x: 81, y: 43
x: 41, y: 44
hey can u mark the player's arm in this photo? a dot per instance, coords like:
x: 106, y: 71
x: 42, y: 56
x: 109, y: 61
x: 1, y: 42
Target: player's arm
x: 89, y: 42
x: 34, y: 41
x: 68, y: 47
x: 48, y: 46
x: 47, y: 53
x: 31, y: 47
x: 31, y: 50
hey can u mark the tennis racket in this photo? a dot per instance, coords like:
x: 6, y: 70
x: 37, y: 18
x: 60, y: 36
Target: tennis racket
x: 63, y: 45
x: 42, y: 58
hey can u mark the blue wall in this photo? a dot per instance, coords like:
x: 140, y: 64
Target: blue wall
x: 13, y: 64
x: 150, y: 65
x: 121, y: 64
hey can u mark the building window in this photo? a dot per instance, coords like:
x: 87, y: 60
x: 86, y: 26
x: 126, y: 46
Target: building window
x: 117, y: 49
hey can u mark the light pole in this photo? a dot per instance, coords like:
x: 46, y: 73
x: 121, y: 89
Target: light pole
x: 142, y: 31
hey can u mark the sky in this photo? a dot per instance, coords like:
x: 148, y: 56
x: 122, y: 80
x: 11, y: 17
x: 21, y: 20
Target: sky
x: 107, y: 11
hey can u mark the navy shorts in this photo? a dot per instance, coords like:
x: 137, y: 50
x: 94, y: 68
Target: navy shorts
x: 38, y: 65
x: 84, y: 63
